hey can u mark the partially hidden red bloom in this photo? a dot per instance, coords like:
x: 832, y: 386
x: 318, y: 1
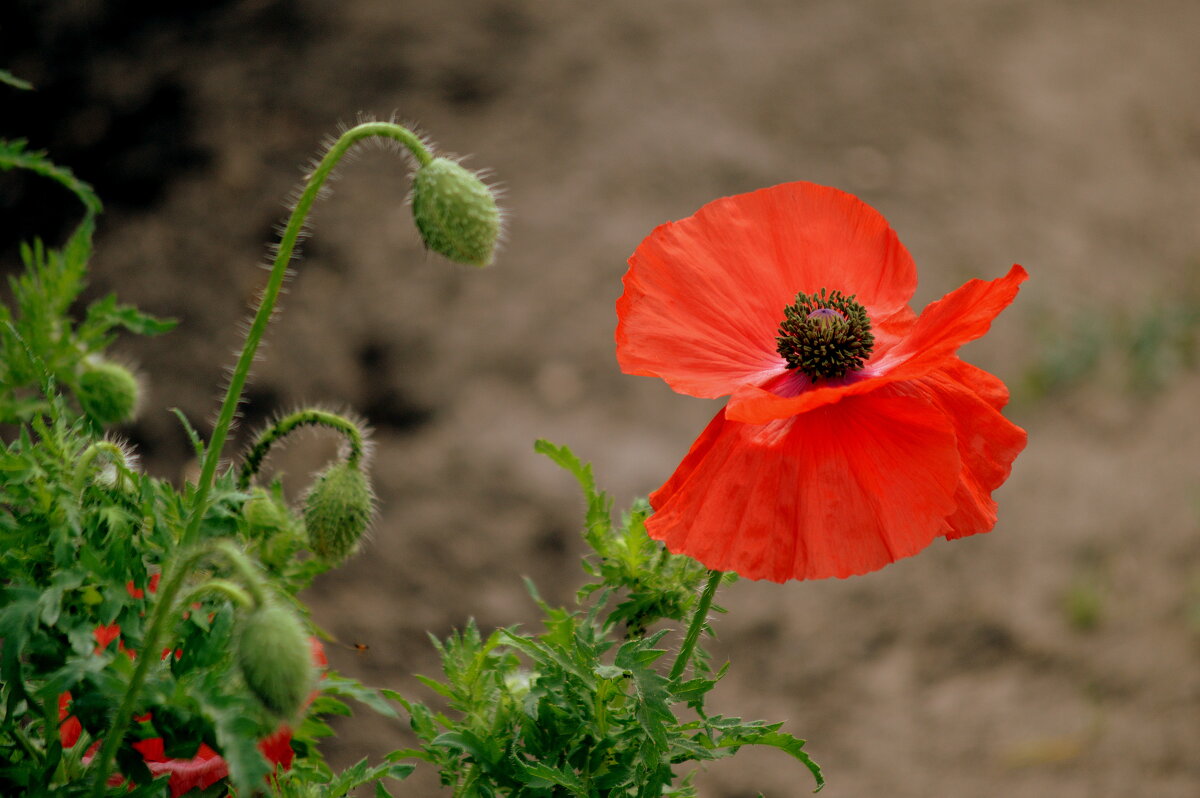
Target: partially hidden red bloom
x: 853, y: 435
x: 204, y: 769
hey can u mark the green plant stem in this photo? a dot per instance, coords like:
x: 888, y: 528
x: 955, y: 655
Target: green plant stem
x: 164, y: 605
x: 266, y: 306
x: 162, y: 609
x: 226, y: 588
x: 281, y: 428
x: 251, y: 578
x: 696, y: 626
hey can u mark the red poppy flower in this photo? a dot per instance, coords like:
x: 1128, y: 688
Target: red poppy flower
x: 854, y: 435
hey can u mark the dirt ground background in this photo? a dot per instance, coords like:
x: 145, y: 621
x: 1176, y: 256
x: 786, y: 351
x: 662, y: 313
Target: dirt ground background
x: 1058, y: 656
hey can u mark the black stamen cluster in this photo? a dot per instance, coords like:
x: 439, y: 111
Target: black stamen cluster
x: 825, y: 347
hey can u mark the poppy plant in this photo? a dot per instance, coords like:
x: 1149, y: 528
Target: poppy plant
x: 853, y: 435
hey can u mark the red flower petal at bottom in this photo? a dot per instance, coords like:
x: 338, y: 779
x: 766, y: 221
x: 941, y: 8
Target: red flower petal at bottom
x: 200, y: 772
x: 841, y: 490
x: 208, y: 767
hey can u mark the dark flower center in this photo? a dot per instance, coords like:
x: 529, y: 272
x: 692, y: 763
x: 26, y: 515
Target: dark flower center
x: 825, y: 335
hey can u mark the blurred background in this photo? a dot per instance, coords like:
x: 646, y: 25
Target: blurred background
x: 1059, y: 655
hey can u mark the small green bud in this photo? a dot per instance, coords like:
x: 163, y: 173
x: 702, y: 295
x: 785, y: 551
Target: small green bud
x: 337, y: 512
x: 108, y: 392
x: 274, y: 658
x: 455, y: 212
x: 263, y: 513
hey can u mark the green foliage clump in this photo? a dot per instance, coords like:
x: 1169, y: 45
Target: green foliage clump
x: 584, y: 708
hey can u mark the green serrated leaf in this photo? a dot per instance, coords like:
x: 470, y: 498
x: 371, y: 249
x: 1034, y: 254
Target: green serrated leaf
x: 794, y: 747
x: 14, y: 155
x: 197, y: 444
x: 105, y: 313
x: 484, y: 750
x: 336, y: 684
x: 540, y: 775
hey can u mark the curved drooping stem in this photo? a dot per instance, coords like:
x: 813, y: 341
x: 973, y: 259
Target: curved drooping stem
x: 281, y: 428
x: 287, y: 245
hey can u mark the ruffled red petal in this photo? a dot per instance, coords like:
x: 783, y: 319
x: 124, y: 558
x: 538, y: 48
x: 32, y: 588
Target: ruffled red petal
x: 198, y: 773
x: 704, y: 296
x: 835, y: 492
x: 957, y: 318
x: 988, y: 443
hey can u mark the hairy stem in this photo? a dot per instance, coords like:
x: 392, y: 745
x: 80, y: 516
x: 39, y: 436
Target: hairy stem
x: 284, y: 426
x: 696, y: 626
x: 266, y: 306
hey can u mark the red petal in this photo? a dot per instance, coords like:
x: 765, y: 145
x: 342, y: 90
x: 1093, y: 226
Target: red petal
x: 955, y: 319
x: 987, y: 443
x: 151, y: 749
x: 317, y: 650
x: 198, y: 773
x: 105, y: 635
x: 704, y: 296
x: 70, y: 728
x: 842, y: 490
x: 277, y: 748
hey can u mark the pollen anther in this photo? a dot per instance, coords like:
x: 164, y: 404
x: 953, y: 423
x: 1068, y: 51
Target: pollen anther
x: 825, y: 335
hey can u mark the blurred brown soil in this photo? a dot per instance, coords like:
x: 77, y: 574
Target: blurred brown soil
x: 1059, y: 655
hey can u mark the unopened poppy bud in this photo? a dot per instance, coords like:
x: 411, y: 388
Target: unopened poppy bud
x: 264, y: 513
x: 455, y: 212
x: 274, y: 658
x: 108, y: 392
x: 337, y: 512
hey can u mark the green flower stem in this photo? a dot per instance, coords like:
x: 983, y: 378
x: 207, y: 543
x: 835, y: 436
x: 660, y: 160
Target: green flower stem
x: 697, y: 625
x: 285, y: 425
x: 175, y: 575
x: 251, y: 578
x: 266, y: 307
x: 228, y: 589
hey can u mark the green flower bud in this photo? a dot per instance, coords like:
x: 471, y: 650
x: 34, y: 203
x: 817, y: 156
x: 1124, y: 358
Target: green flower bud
x: 263, y: 513
x: 274, y: 658
x: 455, y: 212
x: 108, y: 392
x: 337, y: 512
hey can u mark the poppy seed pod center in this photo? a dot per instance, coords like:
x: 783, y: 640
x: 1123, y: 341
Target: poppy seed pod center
x: 825, y: 334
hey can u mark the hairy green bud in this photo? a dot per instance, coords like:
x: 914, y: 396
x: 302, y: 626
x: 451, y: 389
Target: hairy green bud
x: 337, y: 512
x: 455, y: 212
x: 263, y: 513
x: 274, y: 657
x: 108, y: 392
